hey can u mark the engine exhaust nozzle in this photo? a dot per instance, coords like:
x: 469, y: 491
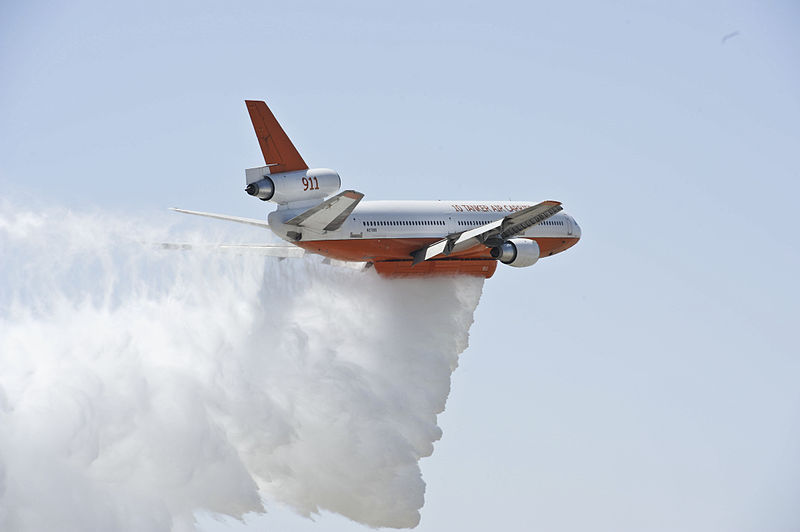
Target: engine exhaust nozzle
x: 263, y: 189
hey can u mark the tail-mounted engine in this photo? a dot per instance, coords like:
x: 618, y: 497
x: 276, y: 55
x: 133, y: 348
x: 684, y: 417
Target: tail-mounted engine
x: 289, y: 187
x: 517, y: 252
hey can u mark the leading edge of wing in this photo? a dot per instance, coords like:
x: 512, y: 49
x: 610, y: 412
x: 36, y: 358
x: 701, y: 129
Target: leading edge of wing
x: 237, y: 219
x: 515, y: 223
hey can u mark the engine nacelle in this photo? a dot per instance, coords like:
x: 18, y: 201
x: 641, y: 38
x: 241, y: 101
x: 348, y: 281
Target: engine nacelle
x: 288, y: 187
x: 517, y: 252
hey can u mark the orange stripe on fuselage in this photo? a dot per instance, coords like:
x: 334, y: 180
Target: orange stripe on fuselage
x: 378, y: 249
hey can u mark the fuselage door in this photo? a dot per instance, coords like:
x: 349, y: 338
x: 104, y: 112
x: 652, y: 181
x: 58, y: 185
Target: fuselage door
x: 568, y: 223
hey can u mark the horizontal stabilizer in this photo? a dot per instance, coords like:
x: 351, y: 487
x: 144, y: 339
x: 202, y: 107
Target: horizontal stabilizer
x: 237, y: 219
x: 330, y: 214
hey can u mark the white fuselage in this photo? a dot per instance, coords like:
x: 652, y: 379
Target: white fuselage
x: 423, y: 219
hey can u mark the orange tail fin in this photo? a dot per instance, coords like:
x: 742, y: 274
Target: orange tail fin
x: 279, y: 152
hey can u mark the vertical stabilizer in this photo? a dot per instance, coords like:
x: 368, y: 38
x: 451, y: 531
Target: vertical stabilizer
x: 279, y: 152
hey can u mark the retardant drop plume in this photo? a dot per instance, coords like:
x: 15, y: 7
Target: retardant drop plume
x: 138, y: 385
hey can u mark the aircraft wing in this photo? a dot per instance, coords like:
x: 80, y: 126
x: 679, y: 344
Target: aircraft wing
x: 267, y: 250
x: 249, y: 221
x: 330, y: 214
x: 487, y: 234
x: 281, y: 251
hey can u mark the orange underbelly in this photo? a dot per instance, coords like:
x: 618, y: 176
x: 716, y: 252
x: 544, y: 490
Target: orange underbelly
x: 403, y: 268
x: 382, y: 249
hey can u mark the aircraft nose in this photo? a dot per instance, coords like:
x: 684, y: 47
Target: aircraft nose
x: 577, y: 229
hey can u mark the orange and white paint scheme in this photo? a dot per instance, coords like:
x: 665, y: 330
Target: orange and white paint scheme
x: 397, y: 238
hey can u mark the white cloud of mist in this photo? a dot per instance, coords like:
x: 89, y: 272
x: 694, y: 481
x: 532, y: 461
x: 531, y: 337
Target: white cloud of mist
x: 138, y: 385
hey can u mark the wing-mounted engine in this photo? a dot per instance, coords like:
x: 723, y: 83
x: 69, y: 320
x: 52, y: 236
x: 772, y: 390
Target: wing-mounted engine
x: 290, y: 187
x: 517, y: 252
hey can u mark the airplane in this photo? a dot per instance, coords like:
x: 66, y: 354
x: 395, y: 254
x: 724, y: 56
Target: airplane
x: 396, y: 238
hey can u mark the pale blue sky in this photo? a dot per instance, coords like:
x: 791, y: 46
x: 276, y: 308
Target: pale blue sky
x: 645, y: 380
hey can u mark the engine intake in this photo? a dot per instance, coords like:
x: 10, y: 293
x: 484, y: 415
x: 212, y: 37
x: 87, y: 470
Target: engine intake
x: 517, y: 252
x: 289, y: 187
